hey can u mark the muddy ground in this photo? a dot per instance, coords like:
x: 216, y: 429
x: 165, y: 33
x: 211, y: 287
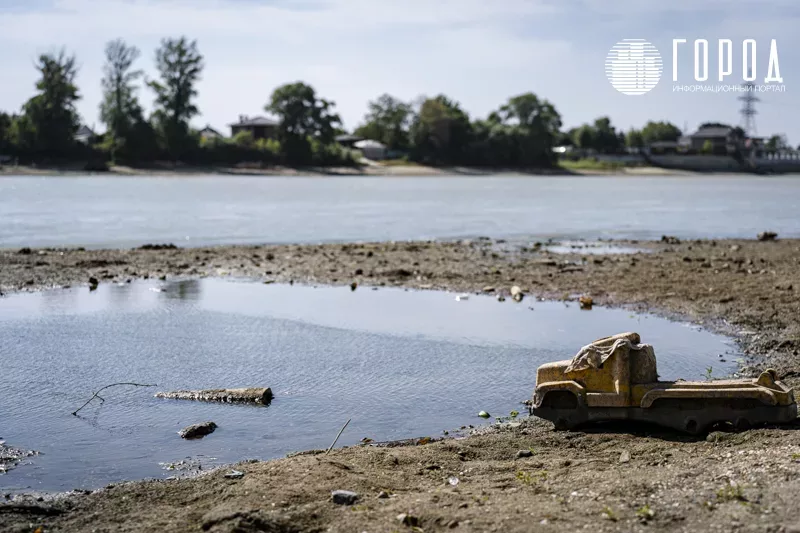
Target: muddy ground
x: 608, y: 478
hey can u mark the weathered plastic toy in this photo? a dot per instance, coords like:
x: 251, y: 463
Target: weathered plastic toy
x: 615, y: 378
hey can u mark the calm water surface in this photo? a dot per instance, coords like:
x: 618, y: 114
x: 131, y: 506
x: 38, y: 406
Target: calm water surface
x: 399, y: 363
x: 194, y: 211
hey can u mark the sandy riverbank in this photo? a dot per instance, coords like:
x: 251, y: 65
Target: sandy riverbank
x: 366, y: 171
x: 602, y: 479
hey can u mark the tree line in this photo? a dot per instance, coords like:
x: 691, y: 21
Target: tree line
x: 433, y: 130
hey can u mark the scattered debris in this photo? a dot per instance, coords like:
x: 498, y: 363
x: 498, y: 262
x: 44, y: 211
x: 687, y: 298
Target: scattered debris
x: 11, y: 457
x: 344, y: 497
x: 484, y: 414
x: 382, y: 495
x: 197, y: 431
x: 453, y: 481
x: 522, y: 454
x: 234, y: 474
x: 586, y: 302
x: 258, y: 395
x: 669, y: 239
x: 488, y: 288
x: 767, y: 236
x: 501, y: 298
x: 148, y: 246
x: 462, y: 297
x: 353, y: 286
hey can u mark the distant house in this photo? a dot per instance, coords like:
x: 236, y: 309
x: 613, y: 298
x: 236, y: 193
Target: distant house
x: 721, y: 140
x: 84, y: 135
x: 210, y: 133
x: 371, y: 149
x: 348, y: 140
x: 259, y: 127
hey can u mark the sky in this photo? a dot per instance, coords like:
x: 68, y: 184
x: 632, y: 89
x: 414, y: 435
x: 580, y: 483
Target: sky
x: 478, y: 52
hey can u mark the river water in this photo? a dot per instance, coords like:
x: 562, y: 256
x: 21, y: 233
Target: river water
x: 193, y: 211
x: 399, y: 363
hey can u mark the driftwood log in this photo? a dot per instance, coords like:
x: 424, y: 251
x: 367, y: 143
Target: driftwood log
x: 262, y: 396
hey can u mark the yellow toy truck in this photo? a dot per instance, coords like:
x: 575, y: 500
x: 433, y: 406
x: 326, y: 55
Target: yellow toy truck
x: 615, y: 378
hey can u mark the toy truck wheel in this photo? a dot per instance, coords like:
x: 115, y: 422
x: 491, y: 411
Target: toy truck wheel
x: 560, y: 399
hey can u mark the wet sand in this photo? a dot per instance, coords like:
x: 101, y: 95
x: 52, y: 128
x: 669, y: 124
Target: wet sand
x: 605, y: 478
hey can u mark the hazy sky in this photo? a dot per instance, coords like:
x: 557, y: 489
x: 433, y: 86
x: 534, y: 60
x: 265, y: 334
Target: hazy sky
x: 478, y: 52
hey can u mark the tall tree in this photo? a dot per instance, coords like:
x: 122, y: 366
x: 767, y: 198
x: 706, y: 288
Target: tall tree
x: 440, y: 131
x: 120, y: 109
x: 5, y: 133
x: 50, y: 120
x: 180, y: 66
x: 304, y: 117
x: 387, y: 121
x: 536, y: 125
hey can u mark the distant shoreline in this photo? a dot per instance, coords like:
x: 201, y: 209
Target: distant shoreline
x: 369, y: 171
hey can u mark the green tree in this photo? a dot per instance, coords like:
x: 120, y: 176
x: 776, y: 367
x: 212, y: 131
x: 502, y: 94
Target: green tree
x: 440, y: 131
x: 6, y: 121
x: 777, y: 142
x: 304, y: 117
x: 708, y: 147
x: 120, y: 110
x: 634, y: 139
x: 387, y: 121
x: 49, y: 122
x: 584, y: 137
x: 180, y: 66
x: 536, y: 125
x: 660, y: 131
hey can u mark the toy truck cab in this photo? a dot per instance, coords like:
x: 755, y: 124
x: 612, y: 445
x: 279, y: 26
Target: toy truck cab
x: 615, y: 378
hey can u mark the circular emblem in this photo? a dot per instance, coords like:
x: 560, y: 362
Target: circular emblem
x: 634, y: 66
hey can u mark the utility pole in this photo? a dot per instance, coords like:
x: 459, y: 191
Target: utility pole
x: 748, y: 110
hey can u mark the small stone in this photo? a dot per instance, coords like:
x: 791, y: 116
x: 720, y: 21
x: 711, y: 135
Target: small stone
x: 523, y: 454
x: 484, y: 414
x: 408, y: 520
x: 501, y: 298
x: 767, y: 236
x: 488, y: 289
x: 197, y: 431
x: 353, y: 286
x: 382, y: 495
x: 93, y: 281
x: 625, y: 456
x: 344, y: 497
x: 515, y: 290
x: 586, y: 302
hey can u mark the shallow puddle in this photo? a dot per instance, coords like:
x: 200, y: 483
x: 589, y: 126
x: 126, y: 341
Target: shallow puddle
x: 399, y: 363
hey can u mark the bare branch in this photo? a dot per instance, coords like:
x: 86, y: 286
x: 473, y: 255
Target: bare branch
x: 97, y: 394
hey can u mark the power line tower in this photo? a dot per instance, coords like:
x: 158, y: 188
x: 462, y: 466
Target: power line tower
x: 748, y: 110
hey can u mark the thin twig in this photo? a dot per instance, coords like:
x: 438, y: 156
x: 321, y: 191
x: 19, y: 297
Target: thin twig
x: 97, y: 394
x: 337, y: 436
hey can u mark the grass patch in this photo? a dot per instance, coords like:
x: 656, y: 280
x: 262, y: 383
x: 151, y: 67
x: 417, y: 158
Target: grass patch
x: 591, y: 163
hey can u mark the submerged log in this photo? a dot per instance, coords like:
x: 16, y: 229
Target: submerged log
x: 261, y: 396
